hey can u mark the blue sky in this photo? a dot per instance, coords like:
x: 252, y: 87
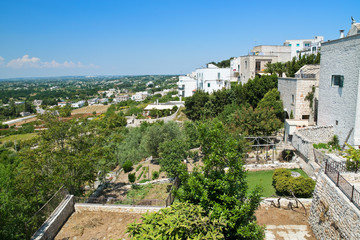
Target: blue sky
x: 84, y: 37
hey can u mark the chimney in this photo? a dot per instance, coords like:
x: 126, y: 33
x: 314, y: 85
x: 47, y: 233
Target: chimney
x: 341, y: 33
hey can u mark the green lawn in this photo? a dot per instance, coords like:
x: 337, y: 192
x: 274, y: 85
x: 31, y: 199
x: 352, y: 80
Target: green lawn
x: 264, y: 179
x: 18, y: 137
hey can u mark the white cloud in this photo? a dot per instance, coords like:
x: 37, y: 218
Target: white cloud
x: 1, y: 60
x: 34, y: 62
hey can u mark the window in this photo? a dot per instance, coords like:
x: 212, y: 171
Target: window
x: 298, y: 45
x: 245, y: 64
x: 307, y: 44
x: 292, y: 98
x: 257, y: 66
x: 337, y: 80
x: 289, y: 44
x: 218, y: 76
x: 208, y: 84
x: 314, y: 49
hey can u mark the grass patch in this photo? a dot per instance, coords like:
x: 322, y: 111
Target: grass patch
x: 146, y: 192
x: 264, y: 179
x: 181, y: 116
x: 22, y: 137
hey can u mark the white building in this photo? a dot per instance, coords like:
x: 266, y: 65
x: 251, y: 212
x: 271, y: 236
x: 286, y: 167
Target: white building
x: 187, y: 86
x: 78, y: 104
x: 234, y: 69
x: 139, y: 96
x: 339, y: 87
x: 121, y: 98
x: 93, y: 101
x: 304, y: 46
x: 37, y: 103
x: 212, y: 78
x: 209, y: 79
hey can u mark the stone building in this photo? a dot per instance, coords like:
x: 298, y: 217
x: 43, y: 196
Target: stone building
x: 339, y: 87
x: 293, y: 92
x: 253, y: 64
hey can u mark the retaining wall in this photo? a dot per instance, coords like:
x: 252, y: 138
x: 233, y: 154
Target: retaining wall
x: 304, y: 138
x: 56, y: 220
x: 81, y: 207
x: 272, y: 166
x: 332, y: 215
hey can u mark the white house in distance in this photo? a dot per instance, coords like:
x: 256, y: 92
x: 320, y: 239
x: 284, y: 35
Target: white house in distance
x: 187, y: 86
x: 212, y: 78
x: 209, y: 79
x: 304, y: 46
x: 339, y: 87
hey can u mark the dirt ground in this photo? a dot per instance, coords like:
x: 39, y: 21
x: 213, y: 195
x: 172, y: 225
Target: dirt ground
x: 97, y: 225
x: 284, y: 224
x: 281, y: 224
x: 91, y: 109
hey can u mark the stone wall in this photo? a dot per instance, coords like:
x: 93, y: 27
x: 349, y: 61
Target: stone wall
x: 304, y: 138
x: 272, y: 166
x: 332, y: 215
x: 56, y: 220
x: 81, y: 207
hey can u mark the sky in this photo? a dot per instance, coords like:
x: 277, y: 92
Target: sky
x: 40, y: 38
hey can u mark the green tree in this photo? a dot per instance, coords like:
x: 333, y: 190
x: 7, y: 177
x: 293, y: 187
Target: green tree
x: 195, y: 105
x: 220, y: 187
x: 352, y: 159
x: 180, y: 221
x: 159, y: 133
x: 172, y: 154
x: 65, y: 111
x: 255, y: 122
x: 272, y: 100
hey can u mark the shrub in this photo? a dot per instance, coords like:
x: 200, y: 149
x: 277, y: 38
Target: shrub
x: 127, y: 166
x: 284, y: 183
x: 140, y: 175
x: 138, y: 167
x: 280, y: 172
x: 131, y: 177
x: 287, y: 155
x: 144, y: 181
x: 155, y: 175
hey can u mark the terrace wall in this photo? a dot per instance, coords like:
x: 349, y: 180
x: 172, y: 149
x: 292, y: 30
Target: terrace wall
x: 332, y: 214
x: 57, y: 219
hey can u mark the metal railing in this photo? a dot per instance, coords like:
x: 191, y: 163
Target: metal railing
x: 332, y: 171
x: 35, y: 222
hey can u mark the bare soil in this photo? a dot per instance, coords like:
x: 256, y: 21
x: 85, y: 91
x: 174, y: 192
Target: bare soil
x: 284, y: 217
x: 97, y: 225
x: 91, y: 109
x: 112, y: 225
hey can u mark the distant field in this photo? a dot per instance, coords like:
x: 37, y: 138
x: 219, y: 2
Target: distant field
x: 264, y: 179
x: 91, y: 109
x: 18, y: 137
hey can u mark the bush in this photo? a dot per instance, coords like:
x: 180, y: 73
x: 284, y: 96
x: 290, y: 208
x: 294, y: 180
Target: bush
x: 284, y: 183
x: 138, y: 167
x: 155, y: 175
x: 144, y: 180
x: 127, y: 166
x: 131, y: 177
